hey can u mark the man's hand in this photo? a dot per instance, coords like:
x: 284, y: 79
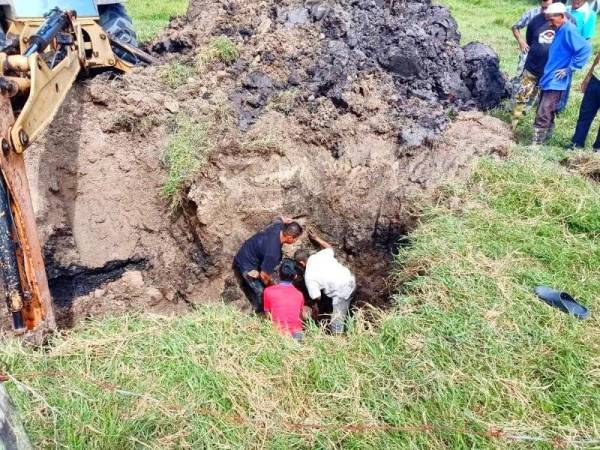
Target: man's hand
x: 254, y: 274
x: 523, y: 46
x: 561, y: 73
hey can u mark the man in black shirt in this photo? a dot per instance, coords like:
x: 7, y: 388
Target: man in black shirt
x: 258, y: 257
x: 539, y: 37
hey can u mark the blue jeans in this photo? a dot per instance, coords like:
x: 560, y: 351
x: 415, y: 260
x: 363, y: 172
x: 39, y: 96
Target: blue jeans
x: 587, y: 112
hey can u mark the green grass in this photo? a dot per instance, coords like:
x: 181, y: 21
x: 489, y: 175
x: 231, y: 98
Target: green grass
x: 186, y: 151
x: 150, y: 16
x: 466, y: 349
x: 220, y: 49
x: 176, y: 74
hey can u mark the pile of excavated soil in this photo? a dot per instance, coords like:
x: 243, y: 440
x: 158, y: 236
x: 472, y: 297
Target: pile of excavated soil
x: 344, y: 114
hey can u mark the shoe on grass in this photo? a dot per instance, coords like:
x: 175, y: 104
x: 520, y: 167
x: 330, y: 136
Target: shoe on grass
x: 562, y: 301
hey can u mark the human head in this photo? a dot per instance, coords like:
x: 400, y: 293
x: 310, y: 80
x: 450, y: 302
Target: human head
x: 578, y: 4
x: 290, y: 232
x: 301, y: 256
x: 556, y: 14
x: 545, y: 3
x: 287, y: 270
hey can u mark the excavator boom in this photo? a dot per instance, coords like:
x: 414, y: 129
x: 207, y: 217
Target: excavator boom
x: 37, y: 70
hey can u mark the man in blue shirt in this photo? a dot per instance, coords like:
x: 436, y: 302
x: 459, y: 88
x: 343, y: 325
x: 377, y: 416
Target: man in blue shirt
x: 569, y: 52
x: 258, y: 257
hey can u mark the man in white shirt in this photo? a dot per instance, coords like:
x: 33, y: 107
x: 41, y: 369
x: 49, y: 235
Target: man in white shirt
x: 324, y: 274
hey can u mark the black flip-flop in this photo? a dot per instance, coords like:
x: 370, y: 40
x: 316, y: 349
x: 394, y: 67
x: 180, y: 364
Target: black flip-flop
x: 562, y: 301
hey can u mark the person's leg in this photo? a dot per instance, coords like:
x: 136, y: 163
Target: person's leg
x: 546, y: 112
x: 587, y: 112
x: 523, y: 96
x: 257, y: 289
x: 253, y: 289
x: 338, y: 315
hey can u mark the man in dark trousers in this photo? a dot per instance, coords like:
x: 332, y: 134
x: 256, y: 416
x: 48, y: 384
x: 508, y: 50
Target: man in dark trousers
x: 258, y: 257
x: 569, y: 52
x: 589, y: 107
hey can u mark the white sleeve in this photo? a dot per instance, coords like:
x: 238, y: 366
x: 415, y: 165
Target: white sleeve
x: 328, y: 251
x: 314, y: 290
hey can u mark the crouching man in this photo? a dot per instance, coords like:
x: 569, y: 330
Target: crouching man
x: 284, y: 303
x: 324, y: 274
x: 260, y: 255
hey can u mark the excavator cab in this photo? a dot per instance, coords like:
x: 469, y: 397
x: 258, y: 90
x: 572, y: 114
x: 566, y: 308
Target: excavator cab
x: 47, y: 43
x: 34, y: 9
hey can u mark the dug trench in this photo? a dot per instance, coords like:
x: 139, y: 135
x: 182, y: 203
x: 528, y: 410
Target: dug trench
x: 349, y: 116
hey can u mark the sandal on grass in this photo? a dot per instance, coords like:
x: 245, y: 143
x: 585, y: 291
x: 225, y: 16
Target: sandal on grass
x: 562, y: 301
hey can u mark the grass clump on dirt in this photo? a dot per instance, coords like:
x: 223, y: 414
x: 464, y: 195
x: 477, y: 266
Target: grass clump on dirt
x: 184, y: 154
x: 221, y: 49
x: 176, y: 74
x: 466, y: 358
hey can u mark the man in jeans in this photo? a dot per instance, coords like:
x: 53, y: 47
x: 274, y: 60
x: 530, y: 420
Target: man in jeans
x: 589, y: 108
x: 323, y: 273
x: 569, y: 52
x: 258, y: 257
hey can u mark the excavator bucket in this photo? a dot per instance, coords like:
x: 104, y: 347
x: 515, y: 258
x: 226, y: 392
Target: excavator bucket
x: 28, y: 296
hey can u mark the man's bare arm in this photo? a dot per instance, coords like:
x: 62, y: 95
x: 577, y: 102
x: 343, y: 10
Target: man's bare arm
x: 323, y: 243
x: 522, y: 44
x: 590, y: 74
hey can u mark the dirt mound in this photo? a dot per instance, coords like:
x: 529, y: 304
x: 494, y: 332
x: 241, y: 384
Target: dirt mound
x: 345, y: 115
x: 325, y: 49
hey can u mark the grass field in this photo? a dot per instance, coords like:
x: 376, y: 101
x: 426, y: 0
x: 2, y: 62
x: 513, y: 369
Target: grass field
x: 150, y: 16
x: 467, y: 357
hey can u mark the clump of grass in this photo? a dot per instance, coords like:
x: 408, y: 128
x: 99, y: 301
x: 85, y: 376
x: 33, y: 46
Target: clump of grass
x: 175, y: 74
x: 186, y: 151
x: 285, y: 101
x: 586, y: 164
x: 221, y: 49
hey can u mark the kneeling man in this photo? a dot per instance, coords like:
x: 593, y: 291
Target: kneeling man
x: 324, y: 274
x: 284, y: 303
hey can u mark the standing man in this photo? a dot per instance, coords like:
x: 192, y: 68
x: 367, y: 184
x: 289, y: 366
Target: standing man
x: 324, y: 274
x: 539, y: 36
x: 258, y: 257
x: 589, y: 108
x: 569, y: 52
x: 585, y: 16
x: 284, y: 303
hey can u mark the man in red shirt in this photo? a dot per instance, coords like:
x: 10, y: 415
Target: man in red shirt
x: 284, y: 303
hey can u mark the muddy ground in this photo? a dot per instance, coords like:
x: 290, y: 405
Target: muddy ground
x: 346, y: 116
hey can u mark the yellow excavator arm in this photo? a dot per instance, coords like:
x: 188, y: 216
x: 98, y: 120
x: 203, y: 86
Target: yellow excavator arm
x: 36, y: 75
